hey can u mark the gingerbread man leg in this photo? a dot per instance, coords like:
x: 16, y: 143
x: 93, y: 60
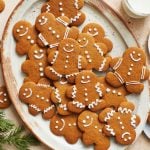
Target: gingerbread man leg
x: 76, y: 106
x: 52, y: 74
x: 34, y: 110
x: 114, y: 79
x: 134, y: 87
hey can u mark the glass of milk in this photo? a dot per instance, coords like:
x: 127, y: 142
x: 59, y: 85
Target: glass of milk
x: 137, y: 8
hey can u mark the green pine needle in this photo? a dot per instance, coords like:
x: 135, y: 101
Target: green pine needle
x: 12, y: 135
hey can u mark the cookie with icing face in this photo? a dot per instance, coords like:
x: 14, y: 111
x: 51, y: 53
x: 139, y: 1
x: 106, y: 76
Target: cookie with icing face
x: 98, y: 33
x: 66, y: 126
x: 87, y: 92
x: 4, y: 98
x: 66, y: 62
x: 70, y: 8
x: 2, y: 5
x: 113, y: 96
x: 58, y: 97
x: 92, y: 131
x: 53, y: 30
x: 94, y: 53
x: 121, y: 124
x: 25, y: 36
x: 129, y: 70
x: 37, y: 96
x: 35, y: 65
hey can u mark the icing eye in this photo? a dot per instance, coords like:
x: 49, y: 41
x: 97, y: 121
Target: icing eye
x: 60, y: 3
x: 79, y: 41
x: 21, y: 27
x: 5, y: 94
x: 29, y: 37
x: 41, y: 50
x: 26, y: 90
x: 57, y: 36
x: 95, y: 29
x: 35, y: 52
x: 90, y: 30
x: 40, y: 20
x: 53, y: 32
x: 139, y: 54
x: 72, y: 46
x: 50, y: 28
x: 83, y: 77
x: 87, y: 117
x: 61, y: 9
x: 88, y: 77
x: 57, y: 121
x: 18, y: 30
x: 133, y: 52
x: 84, y: 121
x: 84, y: 39
x: 43, y: 17
x: 67, y: 45
x: 63, y: 14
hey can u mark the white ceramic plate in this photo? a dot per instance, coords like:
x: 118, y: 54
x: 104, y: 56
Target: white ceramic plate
x: 116, y: 30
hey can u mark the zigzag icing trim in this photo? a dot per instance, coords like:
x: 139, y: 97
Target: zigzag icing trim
x: 108, y: 128
x: 48, y: 109
x: 53, y: 45
x: 66, y: 32
x: 71, y: 75
x: 56, y: 73
x: 102, y: 65
x: 98, y: 89
x: 76, y: 4
x: 63, y: 106
x: 75, y: 18
x: 57, y: 94
x: 109, y: 115
x: 74, y: 92
x: 124, y: 110
x: 35, y: 107
x: 95, y: 103
x: 133, y: 121
x: 118, y: 64
x: 99, y: 49
x: 55, y: 57
x: 79, y: 62
x: 78, y: 104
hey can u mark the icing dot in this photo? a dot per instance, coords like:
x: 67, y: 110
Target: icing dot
x: 86, y: 99
x: 139, y: 54
x: 88, y: 77
x: 18, y: 30
x: 43, y: 17
x: 86, y: 52
x: 113, y: 91
x: 42, y: 98
x: 57, y: 121
x: 67, y: 56
x: 40, y: 64
x: 79, y: 41
x: 67, y: 45
x: 95, y: 127
x: 56, y: 127
x: 90, y: 29
x: 107, y: 90
x: 69, y: 124
x: 118, y: 118
x: 72, y: 46
x: 65, y: 109
x: 74, y: 124
x: 84, y: 121
x: 125, y: 140
x: 61, y: 9
x: 130, y: 69
x: 47, y: 100
x: 122, y: 127
x: 129, y: 73
x: 35, y: 52
x: 26, y: 90
x: 40, y: 20
x: 90, y: 60
x: 133, y: 52
x: 84, y: 39
x: 62, y: 14
x: 5, y: 94
x: 85, y: 89
x: 53, y: 32
x: 129, y: 138
x: 29, y: 37
x: 57, y: 36
x: 21, y: 27
x: 41, y: 74
x: 67, y: 61
x: 119, y: 94
x: 95, y: 29
x: 24, y: 94
x: 86, y: 94
x: 132, y: 65
x: 41, y: 50
x: 37, y: 96
x: 66, y: 67
x: 88, y: 56
x: 5, y: 99
x: 83, y: 77
x: 120, y: 122
x: 50, y: 28
x: 100, y: 130
x: 60, y: 3
x: 32, y: 41
x: 87, y: 117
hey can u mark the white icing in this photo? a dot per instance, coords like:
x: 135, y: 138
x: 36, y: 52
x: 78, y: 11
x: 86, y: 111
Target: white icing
x: 48, y: 8
x: 102, y: 65
x: 118, y: 64
x: 94, y: 103
x: 30, y: 93
x: 74, y: 92
x: 85, y: 82
x: 48, y: 109
x: 71, y: 75
x: 35, y: 107
x: 76, y: 4
x: 44, y: 41
x: 87, y: 42
x: 57, y: 94
x: 108, y: 90
x: 94, y: 34
x: 78, y: 104
x: 63, y: 125
x: 143, y: 73
x: 127, y: 134
x: 43, y: 20
x: 79, y: 62
x: 26, y: 31
x: 98, y: 89
x: 63, y: 106
x: 53, y: 45
x: 133, y: 83
x: 124, y: 110
x: 39, y: 56
x: 118, y: 76
x: 68, y: 50
x: 99, y: 49
x: 75, y: 18
x: 109, y: 115
x: 88, y: 124
x: 56, y: 73
x: 133, y: 121
x: 66, y: 32
x: 108, y: 128
x: 55, y: 57
x: 134, y: 59
x: 62, y: 21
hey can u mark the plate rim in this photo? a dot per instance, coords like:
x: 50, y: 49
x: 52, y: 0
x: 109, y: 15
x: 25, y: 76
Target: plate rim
x: 25, y: 122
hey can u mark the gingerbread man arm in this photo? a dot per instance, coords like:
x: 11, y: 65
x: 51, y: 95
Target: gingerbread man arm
x: 100, y: 89
x: 55, y: 96
x: 145, y: 73
x: 79, y: 4
x: 135, y: 120
x: 52, y: 57
x: 82, y: 63
x: 71, y: 91
x: 102, y: 48
x: 115, y: 62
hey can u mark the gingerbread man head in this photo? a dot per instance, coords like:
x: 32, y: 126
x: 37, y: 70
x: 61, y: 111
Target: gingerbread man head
x: 25, y: 35
x: 98, y: 33
x: 53, y: 30
x: 70, y: 8
x: 120, y: 124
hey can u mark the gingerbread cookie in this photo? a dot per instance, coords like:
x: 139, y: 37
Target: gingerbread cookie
x: 94, y: 53
x: 66, y: 126
x: 53, y: 30
x: 58, y: 96
x: 66, y: 62
x: 120, y: 124
x: 113, y: 96
x: 2, y: 5
x: 25, y: 35
x: 87, y: 92
x: 92, y: 131
x: 4, y: 98
x: 129, y: 70
x: 34, y: 67
x: 70, y: 8
x: 98, y: 33
x: 37, y: 96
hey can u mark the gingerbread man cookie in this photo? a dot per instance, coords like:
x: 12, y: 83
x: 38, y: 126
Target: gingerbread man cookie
x: 66, y: 62
x: 34, y: 67
x: 58, y: 96
x: 129, y: 70
x: 87, y: 92
x: 70, y: 8
x: 94, y: 53
x: 113, y: 96
x: 120, y: 124
x: 4, y: 98
x: 66, y: 126
x: 92, y: 131
x: 37, y: 96
x: 53, y: 30
x: 2, y: 5
x: 98, y: 33
x: 25, y: 35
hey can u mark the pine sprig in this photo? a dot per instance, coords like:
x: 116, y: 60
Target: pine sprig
x: 12, y: 135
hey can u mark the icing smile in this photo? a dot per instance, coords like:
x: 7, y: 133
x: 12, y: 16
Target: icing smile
x: 86, y: 124
x: 84, y: 44
x: 93, y: 34
x: 30, y: 93
x: 21, y: 29
x: 133, y: 58
x: 127, y: 135
x: 85, y: 82
x: 68, y: 50
x: 85, y: 79
x: 38, y: 54
x: 63, y: 125
x: 43, y: 20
